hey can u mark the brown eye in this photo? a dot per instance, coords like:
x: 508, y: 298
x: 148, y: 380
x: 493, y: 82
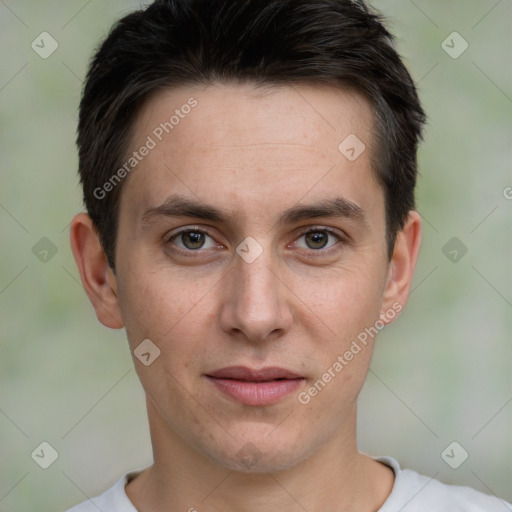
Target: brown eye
x: 192, y: 240
x: 318, y: 239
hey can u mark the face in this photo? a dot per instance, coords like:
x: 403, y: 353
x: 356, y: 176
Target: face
x: 249, y: 239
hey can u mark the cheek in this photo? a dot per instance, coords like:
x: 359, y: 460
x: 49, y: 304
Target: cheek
x: 155, y: 305
x: 349, y: 309
x: 346, y: 299
x: 159, y: 308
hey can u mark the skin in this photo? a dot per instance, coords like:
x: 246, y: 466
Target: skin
x: 253, y: 153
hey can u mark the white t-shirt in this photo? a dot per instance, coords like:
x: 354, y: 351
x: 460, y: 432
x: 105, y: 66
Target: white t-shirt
x: 411, y: 492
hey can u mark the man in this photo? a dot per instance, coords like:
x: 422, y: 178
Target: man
x: 248, y: 170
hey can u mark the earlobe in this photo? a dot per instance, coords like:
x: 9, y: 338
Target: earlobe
x: 97, y: 277
x: 402, y: 264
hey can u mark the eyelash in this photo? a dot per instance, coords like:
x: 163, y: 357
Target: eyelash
x: 315, y: 229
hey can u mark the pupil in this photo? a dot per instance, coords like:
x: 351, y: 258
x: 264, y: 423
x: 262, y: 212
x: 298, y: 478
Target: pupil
x: 195, y: 240
x: 318, y: 240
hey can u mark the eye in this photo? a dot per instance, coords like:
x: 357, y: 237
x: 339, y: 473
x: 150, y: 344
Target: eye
x: 192, y: 240
x: 317, y: 239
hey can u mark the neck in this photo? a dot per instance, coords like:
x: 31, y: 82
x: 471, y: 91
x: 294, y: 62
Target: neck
x: 335, y: 477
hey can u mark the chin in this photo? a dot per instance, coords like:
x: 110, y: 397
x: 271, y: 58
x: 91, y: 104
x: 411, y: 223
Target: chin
x: 260, y: 454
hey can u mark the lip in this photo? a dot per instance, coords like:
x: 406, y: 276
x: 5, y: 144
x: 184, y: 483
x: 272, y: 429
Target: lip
x: 265, y: 386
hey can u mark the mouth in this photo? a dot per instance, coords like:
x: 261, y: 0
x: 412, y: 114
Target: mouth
x: 255, y: 387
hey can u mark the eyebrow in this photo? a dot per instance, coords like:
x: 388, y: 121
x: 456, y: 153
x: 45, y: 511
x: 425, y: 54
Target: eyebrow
x: 179, y: 206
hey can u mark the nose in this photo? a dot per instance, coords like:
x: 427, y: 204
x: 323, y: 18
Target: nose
x: 256, y: 301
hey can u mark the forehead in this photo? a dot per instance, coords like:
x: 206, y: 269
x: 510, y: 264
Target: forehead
x: 243, y: 114
x: 240, y: 144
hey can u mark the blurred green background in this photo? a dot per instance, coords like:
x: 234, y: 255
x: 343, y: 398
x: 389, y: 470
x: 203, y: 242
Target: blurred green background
x: 441, y: 373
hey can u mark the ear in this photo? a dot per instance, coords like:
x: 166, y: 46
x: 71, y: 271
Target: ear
x: 401, y: 266
x: 98, y: 279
